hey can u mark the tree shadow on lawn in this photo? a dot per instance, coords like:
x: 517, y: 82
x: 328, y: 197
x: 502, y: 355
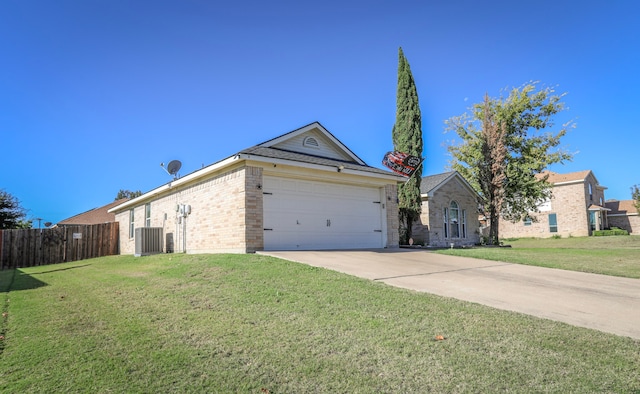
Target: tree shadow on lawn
x: 18, y: 280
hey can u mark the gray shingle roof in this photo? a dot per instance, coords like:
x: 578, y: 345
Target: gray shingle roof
x: 275, y: 153
x: 428, y: 183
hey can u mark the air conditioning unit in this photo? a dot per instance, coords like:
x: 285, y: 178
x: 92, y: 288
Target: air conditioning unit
x: 148, y: 241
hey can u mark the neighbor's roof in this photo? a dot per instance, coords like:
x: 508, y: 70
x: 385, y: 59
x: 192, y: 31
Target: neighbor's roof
x: 554, y: 177
x: 624, y: 207
x: 94, y: 216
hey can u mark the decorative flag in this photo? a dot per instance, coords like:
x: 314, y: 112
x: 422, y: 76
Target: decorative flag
x: 401, y: 163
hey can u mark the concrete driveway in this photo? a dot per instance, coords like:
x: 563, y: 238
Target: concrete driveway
x: 600, y: 302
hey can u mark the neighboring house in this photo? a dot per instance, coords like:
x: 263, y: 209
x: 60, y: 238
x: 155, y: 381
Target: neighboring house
x: 624, y: 215
x: 449, y: 212
x: 94, y: 216
x: 302, y: 190
x: 576, y: 208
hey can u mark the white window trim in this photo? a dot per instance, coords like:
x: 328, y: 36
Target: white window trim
x: 463, y: 221
x: 457, y: 222
x: 131, y: 223
x: 446, y: 222
x: 556, y: 225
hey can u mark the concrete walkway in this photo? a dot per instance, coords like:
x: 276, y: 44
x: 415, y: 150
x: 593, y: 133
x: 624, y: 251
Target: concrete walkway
x: 600, y: 302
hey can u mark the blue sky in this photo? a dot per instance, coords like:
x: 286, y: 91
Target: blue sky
x: 95, y: 94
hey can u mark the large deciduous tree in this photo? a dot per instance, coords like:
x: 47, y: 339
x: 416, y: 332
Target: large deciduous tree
x: 407, y: 138
x: 505, y: 145
x: 12, y: 215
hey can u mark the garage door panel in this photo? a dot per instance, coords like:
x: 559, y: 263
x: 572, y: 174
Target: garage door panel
x: 300, y: 214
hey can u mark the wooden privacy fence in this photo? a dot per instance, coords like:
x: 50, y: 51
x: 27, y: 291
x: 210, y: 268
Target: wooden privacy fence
x: 33, y: 247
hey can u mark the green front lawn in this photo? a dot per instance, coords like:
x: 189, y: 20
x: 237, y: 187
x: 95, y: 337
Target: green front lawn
x: 615, y: 255
x: 251, y: 323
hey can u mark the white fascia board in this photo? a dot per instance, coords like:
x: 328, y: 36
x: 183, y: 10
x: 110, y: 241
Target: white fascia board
x: 568, y: 182
x: 175, y: 183
x: 291, y: 134
x: 329, y: 168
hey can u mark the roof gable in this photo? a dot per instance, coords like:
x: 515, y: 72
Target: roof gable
x: 430, y: 184
x: 290, y: 148
x: 314, y: 140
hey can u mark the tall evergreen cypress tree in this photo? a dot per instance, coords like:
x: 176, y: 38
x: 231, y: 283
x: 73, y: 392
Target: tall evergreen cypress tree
x: 407, y: 138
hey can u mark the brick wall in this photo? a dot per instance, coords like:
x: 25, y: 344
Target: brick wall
x: 393, y: 221
x: 226, y: 213
x: 217, y: 221
x: 630, y: 222
x: 254, y: 226
x: 570, y: 203
x: 430, y: 229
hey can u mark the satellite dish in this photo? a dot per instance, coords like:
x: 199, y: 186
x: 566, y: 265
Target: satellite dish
x: 48, y: 224
x: 172, y: 168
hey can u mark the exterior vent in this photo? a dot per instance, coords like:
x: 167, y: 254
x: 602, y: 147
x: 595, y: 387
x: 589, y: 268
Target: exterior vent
x: 148, y: 241
x: 310, y: 142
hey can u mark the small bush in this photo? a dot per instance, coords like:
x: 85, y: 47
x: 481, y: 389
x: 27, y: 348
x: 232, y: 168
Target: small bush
x: 612, y: 231
x: 556, y: 236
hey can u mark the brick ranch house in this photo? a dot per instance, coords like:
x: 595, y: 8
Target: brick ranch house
x: 449, y: 211
x: 302, y: 190
x: 576, y: 208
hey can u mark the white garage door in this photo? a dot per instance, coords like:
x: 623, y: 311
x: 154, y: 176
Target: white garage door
x: 307, y: 215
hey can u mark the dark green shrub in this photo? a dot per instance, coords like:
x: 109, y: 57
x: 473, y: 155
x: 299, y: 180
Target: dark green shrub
x: 612, y: 231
